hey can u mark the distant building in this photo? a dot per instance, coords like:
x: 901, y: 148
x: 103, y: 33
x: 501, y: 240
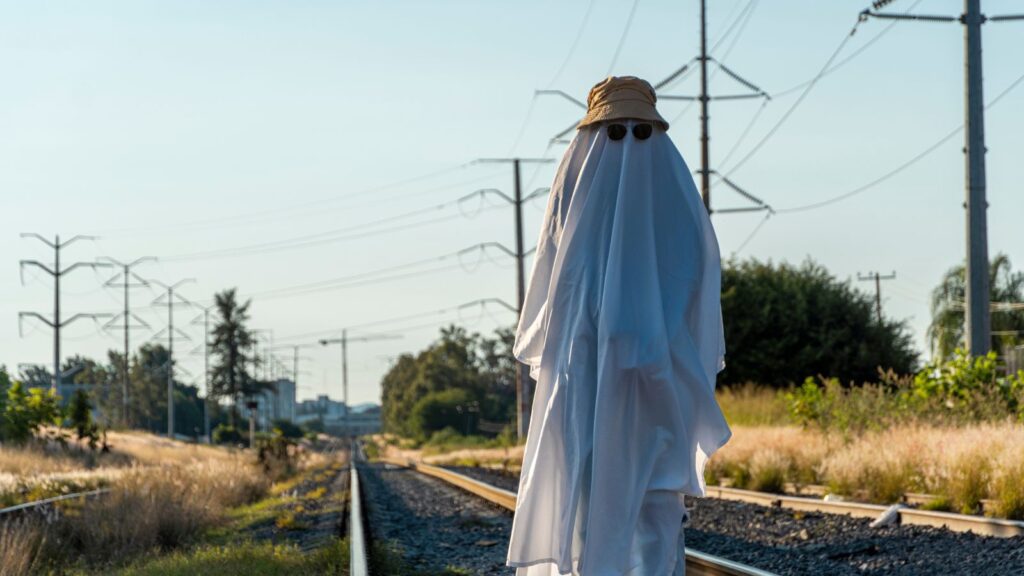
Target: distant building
x: 276, y: 404
x: 337, y: 418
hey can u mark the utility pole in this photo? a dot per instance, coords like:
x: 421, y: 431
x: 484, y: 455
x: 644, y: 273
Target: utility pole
x: 171, y: 302
x: 704, y: 98
x: 878, y: 289
x: 127, y: 317
x: 57, y: 272
x: 204, y: 318
x: 524, y: 386
x: 978, y: 316
x: 705, y: 161
x: 344, y: 340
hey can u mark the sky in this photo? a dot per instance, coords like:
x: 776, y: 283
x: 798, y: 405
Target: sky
x: 269, y: 145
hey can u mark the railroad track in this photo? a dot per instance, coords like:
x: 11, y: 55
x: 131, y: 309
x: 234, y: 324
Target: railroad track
x: 899, y: 514
x: 697, y: 563
x: 48, y: 503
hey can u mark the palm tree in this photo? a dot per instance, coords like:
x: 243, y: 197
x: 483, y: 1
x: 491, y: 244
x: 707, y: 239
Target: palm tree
x: 946, y: 332
x: 231, y: 341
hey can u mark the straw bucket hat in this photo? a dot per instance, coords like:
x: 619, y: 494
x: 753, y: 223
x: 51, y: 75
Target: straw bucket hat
x: 621, y: 98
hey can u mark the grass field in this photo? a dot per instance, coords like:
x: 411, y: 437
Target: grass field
x: 872, y: 457
x: 165, y: 496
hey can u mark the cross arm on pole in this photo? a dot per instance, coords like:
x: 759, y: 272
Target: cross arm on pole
x: 94, y: 317
x: 894, y: 16
x: 486, y: 301
x: 76, y: 238
x: 37, y: 316
x: 510, y: 160
x: 497, y: 245
x: 38, y: 264
x: 675, y: 74
x: 38, y: 237
x: 92, y: 265
x: 498, y: 193
x: 563, y: 95
x: 536, y: 193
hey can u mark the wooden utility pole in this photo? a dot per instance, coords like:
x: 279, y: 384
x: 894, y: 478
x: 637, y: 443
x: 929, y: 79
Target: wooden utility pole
x: 878, y: 289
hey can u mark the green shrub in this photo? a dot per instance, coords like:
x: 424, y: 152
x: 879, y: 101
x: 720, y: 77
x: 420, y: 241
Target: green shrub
x: 225, y: 434
x: 288, y: 429
x: 26, y: 411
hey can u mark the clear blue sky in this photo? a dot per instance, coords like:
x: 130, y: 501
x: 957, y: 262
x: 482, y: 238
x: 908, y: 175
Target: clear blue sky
x: 171, y: 128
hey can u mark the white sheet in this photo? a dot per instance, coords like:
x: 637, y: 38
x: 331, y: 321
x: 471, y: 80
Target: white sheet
x: 622, y: 330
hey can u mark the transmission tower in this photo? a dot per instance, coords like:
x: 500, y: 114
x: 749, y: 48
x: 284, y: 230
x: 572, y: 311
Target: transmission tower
x: 57, y: 272
x: 127, y: 279
x: 171, y: 299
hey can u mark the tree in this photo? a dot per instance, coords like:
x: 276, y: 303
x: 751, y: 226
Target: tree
x: 946, y: 332
x: 232, y: 339
x: 27, y: 410
x: 784, y: 323
x: 35, y: 376
x: 423, y: 393
x: 80, y: 417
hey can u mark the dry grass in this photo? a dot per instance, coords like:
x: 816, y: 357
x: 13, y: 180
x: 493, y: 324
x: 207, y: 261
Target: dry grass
x: 511, y: 456
x: 42, y: 469
x: 961, y: 465
x: 19, y: 547
x: 163, y: 494
x: 756, y: 457
x: 155, y: 508
x: 752, y: 405
x: 148, y: 508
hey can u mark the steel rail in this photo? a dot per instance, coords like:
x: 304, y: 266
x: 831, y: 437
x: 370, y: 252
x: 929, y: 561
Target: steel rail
x: 27, y: 506
x: 981, y: 525
x: 358, y: 559
x: 697, y: 563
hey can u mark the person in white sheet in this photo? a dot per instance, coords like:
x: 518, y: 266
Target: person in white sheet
x: 622, y: 330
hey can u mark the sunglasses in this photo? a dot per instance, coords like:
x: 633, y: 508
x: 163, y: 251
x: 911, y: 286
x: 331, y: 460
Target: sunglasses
x: 640, y: 131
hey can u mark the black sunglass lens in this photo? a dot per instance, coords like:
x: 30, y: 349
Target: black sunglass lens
x: 642, y: 131
x: 616, y: 131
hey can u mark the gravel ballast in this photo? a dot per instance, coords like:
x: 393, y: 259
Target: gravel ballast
x: 804, y: 543
x: 434, y: 526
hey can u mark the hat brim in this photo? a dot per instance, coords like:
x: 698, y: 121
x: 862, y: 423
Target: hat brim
x: 623, y: 110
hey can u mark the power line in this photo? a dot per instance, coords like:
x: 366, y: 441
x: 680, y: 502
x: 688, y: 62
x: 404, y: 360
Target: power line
x: 375, y: 275
x: 622, y: 38
x: 575, y: 43
x: 275, y: 213
x: 305, y: 241
x: 796, y: 104
x: 912, y: 161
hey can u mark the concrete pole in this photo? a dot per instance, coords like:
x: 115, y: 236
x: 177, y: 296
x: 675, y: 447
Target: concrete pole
x: 344, y: 377
x: 978, y: 321
x: 170, y: 362
x: 524, y: 384
x: 56, y: 315
x: 705, y: 155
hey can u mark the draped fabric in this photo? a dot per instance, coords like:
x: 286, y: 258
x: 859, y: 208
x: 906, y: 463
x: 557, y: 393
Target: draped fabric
x: 622, y: 330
